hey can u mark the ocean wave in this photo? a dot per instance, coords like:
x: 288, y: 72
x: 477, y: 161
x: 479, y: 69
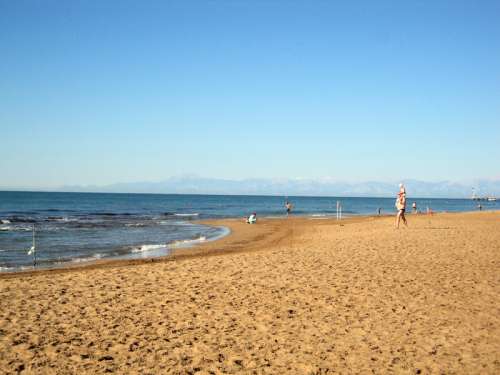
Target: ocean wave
x: 135, y: 225
x: 14, y: 268
x: 58, y: 210
x: 173, y: 223
x: 187, y: 214
x: 143, y: 248
x: 91, y: 225
x: 64, y: 219
x: 11, y: 228
x: 84, y: 259
x: 112, y: 214
x: 5, y: 221
x: 188, y: 243
x: 17, y: 219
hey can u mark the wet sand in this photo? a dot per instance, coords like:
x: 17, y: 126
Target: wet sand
x: 296, y: 296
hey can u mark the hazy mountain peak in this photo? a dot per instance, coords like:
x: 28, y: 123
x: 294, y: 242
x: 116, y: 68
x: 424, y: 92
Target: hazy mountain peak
x: 327, y: 186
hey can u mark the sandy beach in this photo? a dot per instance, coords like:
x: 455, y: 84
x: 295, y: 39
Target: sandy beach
x: 298, y: 296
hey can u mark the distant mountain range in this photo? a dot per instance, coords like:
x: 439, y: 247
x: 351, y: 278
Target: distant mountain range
x: 291, y: 187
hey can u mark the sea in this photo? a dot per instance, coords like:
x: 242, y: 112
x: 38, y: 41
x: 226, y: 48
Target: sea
x: 74, y: 228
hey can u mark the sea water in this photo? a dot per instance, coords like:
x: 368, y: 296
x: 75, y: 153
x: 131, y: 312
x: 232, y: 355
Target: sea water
x: 80, y: 227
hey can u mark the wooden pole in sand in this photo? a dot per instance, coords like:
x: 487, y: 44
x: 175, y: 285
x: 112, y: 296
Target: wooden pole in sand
x: 32, y: 250
x: 34, y: 247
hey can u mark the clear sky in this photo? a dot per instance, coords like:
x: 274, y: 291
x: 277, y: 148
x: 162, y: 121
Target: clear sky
x: 97, y: 92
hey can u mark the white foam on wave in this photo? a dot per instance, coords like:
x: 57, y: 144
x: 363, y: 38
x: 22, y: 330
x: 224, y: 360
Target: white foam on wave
x: 10, y: 228
x: 188, y: 243
x: 66, y: 219
x: 15, y: 269
x: 135, y: 225
x: 176, y: 223
x: 143, y: 248
x: 86, y: 259
x: 187, y: 215
x: 5, y: 221
x: 223, y: 231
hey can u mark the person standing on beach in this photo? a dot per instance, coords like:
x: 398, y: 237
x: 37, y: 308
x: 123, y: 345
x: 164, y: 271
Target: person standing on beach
x: 414, y: 206
x: 401, y: 206
x: 288, y: 207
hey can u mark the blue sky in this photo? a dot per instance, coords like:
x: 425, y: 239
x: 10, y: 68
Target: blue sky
x: 97, y: 92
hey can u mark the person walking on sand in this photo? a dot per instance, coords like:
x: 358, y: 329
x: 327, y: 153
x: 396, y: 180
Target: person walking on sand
x: 288, y: 207
x: 401, y: 206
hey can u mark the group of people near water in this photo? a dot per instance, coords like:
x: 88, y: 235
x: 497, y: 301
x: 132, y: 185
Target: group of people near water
x: 400, y: 207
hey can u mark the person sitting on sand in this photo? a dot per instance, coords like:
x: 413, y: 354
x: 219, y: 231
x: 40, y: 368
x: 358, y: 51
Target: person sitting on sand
x: 401, y: 206
x: 252, y: 219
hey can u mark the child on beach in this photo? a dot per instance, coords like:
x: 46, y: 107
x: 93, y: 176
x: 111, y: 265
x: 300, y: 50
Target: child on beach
x: 401, y: 206
x: 252, y: 219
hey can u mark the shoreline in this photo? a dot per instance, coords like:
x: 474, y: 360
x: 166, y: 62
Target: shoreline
x: 248, y: 238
